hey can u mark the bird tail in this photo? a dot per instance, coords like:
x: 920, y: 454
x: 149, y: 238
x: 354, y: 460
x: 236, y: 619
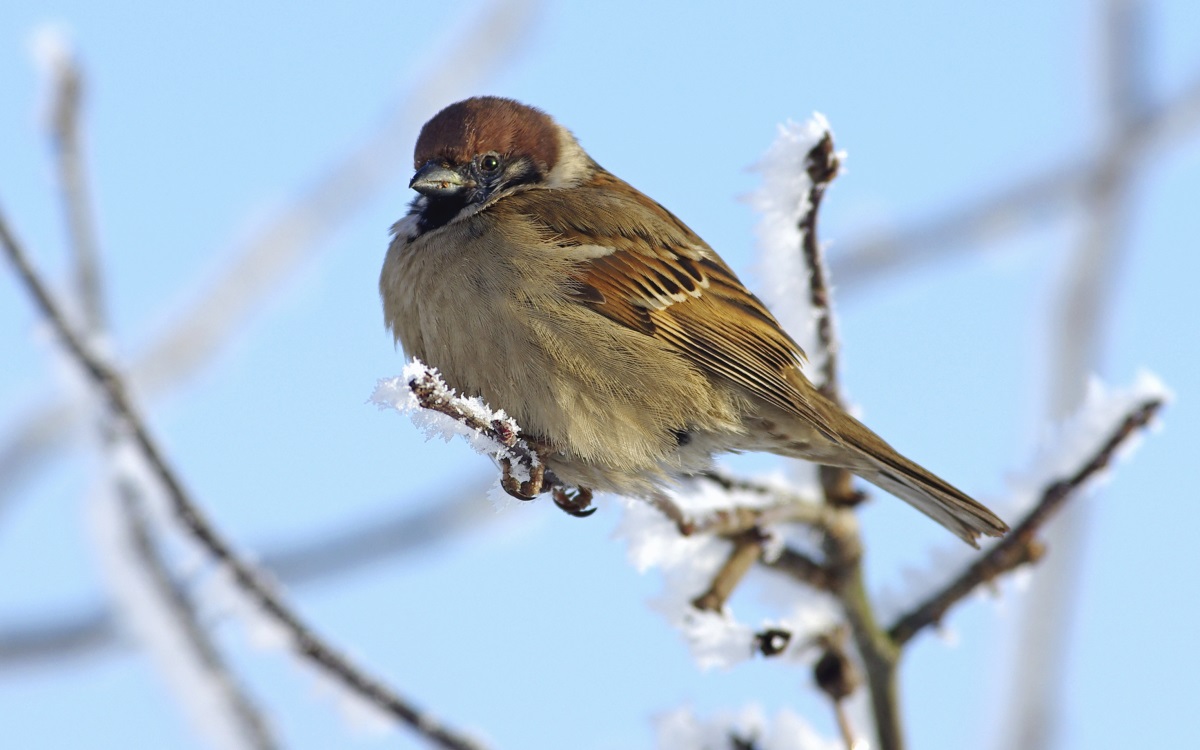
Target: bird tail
x: 965, y: 517
x: 881, y: 465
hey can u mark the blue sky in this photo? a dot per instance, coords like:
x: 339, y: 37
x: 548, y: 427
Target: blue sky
x: 532, y: 628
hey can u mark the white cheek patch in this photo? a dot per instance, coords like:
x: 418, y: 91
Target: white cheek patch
x: 573, y: 165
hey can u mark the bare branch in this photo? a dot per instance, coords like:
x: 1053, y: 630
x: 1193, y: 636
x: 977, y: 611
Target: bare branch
x: 1020, y: 545
x: 251, y: 581
x: 68, y: 92
x: 747, y: 550
x: 802, y: 568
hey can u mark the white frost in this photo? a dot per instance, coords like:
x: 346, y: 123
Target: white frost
x: 688, y: 565
x: 780, y: 202
x: 682, y: 730
x: 395, y: 393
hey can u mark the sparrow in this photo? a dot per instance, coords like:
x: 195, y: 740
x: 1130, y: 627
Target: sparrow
x: 626, y: 349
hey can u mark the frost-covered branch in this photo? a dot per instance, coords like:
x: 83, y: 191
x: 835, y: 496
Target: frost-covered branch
x: 747, y: 730
x: 822, y: 165
x: 841, y: 540
x: 440, y: 411
x: 1020, y: 545
x: 767, y: 505
x: 490, y: 432
x: 249, y: 580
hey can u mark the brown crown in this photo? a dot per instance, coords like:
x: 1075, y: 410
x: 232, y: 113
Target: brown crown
x: 481, y: 124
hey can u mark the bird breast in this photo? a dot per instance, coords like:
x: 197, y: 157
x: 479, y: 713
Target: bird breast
x: 492, y: 311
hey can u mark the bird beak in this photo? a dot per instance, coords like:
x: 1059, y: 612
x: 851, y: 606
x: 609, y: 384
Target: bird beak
x: 437, y: 181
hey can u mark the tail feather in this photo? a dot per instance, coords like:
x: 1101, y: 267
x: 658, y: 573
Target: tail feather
x: 963, y: 516
x: 880, y: 464
x: 928, y: 493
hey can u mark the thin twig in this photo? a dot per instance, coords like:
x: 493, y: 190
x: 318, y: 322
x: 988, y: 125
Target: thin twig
x: 844, y: 726
x: 842, y: 542
x: 70, y: 167
x: 822, y: 165
x: 785, y: 507
x: 837, y: 677
x: 747, y: 550
x: 780, y: 495
x: 879, y: 653
x: 190, y: 515
x: 802, y: 568
x: 1020, y: 545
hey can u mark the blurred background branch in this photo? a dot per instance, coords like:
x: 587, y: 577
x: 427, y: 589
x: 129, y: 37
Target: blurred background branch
x: 324, y: 553
x: 273, y: 255
x: 144, y: 589
x: 1144, y: 125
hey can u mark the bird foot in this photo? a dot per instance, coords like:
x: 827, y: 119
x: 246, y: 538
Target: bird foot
x: 522, y: 490
x: 577, y: 502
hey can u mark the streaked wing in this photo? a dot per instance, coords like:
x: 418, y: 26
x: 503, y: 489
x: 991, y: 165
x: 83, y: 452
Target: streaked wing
x: 651, y: 273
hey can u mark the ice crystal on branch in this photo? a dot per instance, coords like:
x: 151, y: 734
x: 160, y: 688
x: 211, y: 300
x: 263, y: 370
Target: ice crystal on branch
x: 781, y: 202
x: 683, y: 730
x: 439, y: 411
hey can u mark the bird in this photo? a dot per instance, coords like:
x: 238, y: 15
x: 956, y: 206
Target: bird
x: 622, y: 344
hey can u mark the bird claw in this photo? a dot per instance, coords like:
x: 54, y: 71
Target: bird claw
x: 526, y: 490
x: 577, y: 503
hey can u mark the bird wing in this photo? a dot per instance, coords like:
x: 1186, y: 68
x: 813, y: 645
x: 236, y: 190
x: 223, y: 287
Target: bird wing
x: 646, y: 270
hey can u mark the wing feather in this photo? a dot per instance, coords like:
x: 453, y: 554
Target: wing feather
x: 658, y: 277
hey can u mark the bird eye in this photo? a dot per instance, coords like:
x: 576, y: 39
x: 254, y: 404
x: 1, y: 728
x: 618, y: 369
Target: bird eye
x: 489, y: 163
